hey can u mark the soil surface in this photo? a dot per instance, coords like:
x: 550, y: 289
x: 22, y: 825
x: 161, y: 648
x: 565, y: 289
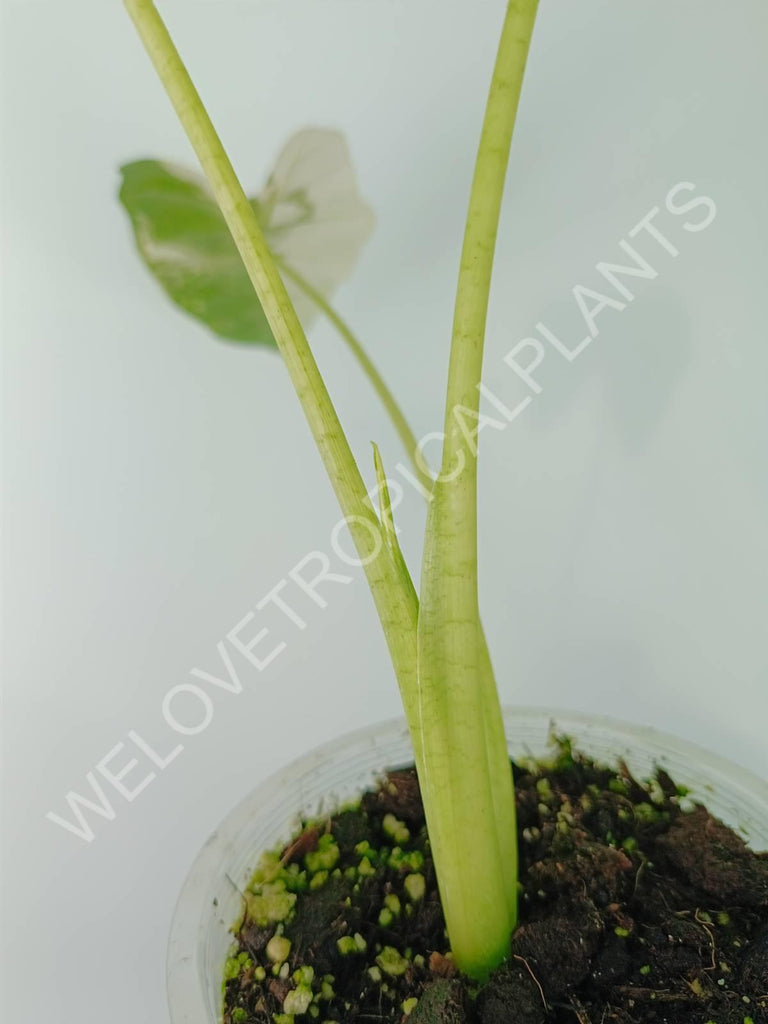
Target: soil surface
x: 637, y: 907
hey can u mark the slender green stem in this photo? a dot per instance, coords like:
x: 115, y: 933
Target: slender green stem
x: 473, y: 292
x: 395, y: 602
x: 388, y: 400
x: 468, y: 793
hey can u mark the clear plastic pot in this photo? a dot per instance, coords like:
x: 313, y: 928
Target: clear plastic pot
x: 210, y: 903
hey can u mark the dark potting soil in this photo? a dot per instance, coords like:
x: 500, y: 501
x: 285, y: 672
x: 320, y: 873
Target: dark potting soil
x: 634, y: 907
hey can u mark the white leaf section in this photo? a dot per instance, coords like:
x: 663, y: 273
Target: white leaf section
x: 313, y: 216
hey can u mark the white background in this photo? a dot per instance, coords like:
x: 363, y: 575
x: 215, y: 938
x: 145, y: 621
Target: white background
x: 159, y: 483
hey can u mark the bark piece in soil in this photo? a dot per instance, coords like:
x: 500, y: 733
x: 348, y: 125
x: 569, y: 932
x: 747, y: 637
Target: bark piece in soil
x: 716, y: 860
x: 441, y: 1002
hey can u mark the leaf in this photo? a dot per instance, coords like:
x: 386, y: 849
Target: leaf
x: 186, y: 244
x: 310, y: 211
x: 312, y: 214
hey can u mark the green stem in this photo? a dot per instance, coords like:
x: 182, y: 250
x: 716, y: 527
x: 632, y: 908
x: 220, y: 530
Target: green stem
x: 457, y: 713
x: 469, y: 794
x: 395, y: 413
x: 395, y: 602
x: 473, y: 292
x: 502, y: 783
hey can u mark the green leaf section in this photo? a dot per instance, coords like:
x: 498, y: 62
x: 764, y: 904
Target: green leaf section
x: 467, y: 790
x: 310, y: 211
x: 184, y: 240
x: 313, y: 220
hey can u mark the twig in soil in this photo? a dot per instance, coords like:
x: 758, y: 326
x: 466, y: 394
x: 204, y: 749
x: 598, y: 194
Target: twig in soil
x: 710, y: 933
x: 578, y: 1008
x: 643, y: 865
x: 661, y: 995
x: 675, y: 913
x: 305, y: 842
x: 536, y: 980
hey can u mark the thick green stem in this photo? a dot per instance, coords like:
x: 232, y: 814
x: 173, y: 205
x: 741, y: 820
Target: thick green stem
x: 495, y: 741
x: 502, y: 784
x: 396, y: 603
x: 469, y: 794
x: 395, y: 413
